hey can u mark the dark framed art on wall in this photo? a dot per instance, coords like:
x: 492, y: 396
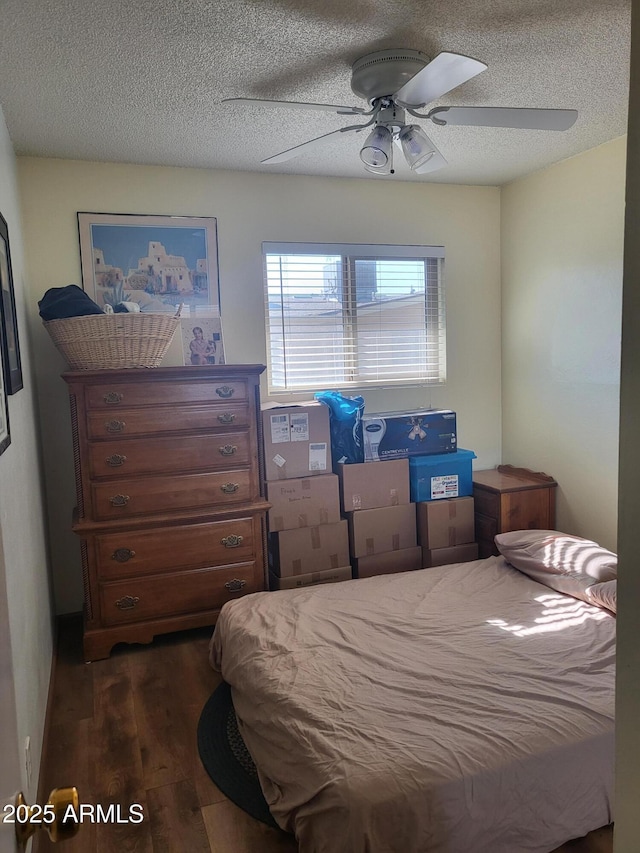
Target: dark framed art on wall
x: 8, y: 320
x: 5, y: 437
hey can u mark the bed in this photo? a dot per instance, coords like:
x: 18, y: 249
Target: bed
x: 467, y: 708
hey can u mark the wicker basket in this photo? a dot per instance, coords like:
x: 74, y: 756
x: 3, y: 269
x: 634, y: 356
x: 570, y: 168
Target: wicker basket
x: 103, y: 341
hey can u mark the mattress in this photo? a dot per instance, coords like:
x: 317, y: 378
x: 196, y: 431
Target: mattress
x: 458, y: 709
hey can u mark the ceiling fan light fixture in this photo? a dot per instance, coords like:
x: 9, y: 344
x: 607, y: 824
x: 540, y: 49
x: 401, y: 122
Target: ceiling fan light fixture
x: 416, y: 146
x: 376, y: 151
x: 385, y: 169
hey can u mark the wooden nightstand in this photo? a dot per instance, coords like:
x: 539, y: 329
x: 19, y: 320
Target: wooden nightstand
x: 508, y: 498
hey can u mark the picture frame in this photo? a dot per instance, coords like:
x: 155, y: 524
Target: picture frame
x: 10, y: 345
x: 202, y: 341
x: 159, y: 262
x: 5, y: 435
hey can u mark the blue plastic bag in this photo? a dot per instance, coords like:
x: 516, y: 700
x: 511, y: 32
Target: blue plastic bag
x: 345, y: 423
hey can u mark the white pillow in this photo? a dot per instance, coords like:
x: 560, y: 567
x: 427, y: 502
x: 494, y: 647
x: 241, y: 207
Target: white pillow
x: 568, y: 564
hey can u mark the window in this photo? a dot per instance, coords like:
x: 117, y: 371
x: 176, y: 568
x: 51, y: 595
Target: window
x: 341, y: 316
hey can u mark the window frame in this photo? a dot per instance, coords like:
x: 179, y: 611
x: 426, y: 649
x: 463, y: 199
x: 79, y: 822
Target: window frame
x: 350, y: 253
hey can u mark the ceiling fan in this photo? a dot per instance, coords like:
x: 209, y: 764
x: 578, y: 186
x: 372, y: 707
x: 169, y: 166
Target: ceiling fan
x: 397, y: 82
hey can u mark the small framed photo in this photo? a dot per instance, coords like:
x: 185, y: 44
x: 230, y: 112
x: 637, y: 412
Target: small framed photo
x: 8, y: 320
x: 202, y: 339
x: 157, y: 261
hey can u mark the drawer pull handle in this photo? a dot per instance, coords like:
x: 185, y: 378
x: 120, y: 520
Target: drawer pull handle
x: 227, y: 449
x: 127, y: 603
x: 121, y: 555
x: 229, y: 488
x: 226, y: 418
x: 116, y: 460
x: 112, y: 397
x: 119, y: 500
x: 225, y: 391
x: 232, y: 541
x: 235, y: 585
x: 114, y: 426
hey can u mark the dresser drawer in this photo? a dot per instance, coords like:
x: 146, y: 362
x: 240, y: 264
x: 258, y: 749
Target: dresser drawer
x: 172, y: 594
x: 124, y: 498
x: 150, y: 421
x: 147, y: 552
x: 124, y: 394
x: 122, y: 457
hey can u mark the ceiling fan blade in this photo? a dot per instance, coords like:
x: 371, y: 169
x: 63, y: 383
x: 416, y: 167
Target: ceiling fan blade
x: 304, y: 146
x: 332, y: 108
x: 441, y: 75
x: 524, y: 118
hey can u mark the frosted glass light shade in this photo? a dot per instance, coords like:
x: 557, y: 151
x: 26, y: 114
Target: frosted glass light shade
x: 376, y: 150
x: 416, y: 146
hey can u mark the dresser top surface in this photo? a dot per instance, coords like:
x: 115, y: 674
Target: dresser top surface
x: 189, y: 373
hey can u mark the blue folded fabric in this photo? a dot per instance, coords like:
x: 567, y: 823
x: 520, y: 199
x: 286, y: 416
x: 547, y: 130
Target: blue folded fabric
x: 69, y: 301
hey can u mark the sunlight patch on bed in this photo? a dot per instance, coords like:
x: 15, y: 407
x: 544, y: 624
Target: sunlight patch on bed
x: 558, y: 613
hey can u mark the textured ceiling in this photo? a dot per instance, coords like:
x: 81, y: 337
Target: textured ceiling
x: 141, y: 82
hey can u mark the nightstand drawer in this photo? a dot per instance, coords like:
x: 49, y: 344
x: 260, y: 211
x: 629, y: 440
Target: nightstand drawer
x: 213, y: 452
x: 486, y: 503
x: 148, y: 495
x: 148, y: 552
x: 124, y: 395
x: 172, y: 594
x: 486, y: 528
x: 150, y: 421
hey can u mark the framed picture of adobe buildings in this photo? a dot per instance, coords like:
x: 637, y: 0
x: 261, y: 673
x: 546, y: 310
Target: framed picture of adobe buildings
x: 159, y: 262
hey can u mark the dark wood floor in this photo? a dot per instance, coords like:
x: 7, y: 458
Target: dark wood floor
x: 123, y: 730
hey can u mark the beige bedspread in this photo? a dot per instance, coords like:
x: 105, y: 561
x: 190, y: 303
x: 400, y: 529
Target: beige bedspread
x: 460, y: 709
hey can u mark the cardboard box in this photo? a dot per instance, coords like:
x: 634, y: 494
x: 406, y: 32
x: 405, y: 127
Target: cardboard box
x: 344, y: 573
x: 445, y: 556
x: 368, y: 485
x: 389, y: 528
x: 443, y: 524
x: 297, y: 441
x: 309, y: 549
x: 393, y: 435
x: 447, y: 475
x: 303, y: 502
x: 390, y: 562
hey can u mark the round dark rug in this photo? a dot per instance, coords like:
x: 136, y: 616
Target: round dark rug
x: 226, y: 758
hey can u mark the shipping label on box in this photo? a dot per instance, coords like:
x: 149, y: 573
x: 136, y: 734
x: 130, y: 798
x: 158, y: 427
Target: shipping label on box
x: 393, y: 435
x: 297, y: 440
x: 445, y: 486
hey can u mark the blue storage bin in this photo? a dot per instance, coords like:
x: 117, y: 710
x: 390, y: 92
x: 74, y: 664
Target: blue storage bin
x: 442, y: 475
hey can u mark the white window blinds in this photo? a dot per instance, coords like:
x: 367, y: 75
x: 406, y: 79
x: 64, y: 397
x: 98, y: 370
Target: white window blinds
x: 341, y: 316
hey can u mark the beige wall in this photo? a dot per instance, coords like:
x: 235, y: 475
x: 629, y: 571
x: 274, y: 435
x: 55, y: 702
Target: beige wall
x: 22, y: 524
x: 251, y: 208
x: 562, y: 249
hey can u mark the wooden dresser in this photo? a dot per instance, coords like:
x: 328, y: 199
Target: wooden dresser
x: 508, y: 498
x: 171, y: 508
